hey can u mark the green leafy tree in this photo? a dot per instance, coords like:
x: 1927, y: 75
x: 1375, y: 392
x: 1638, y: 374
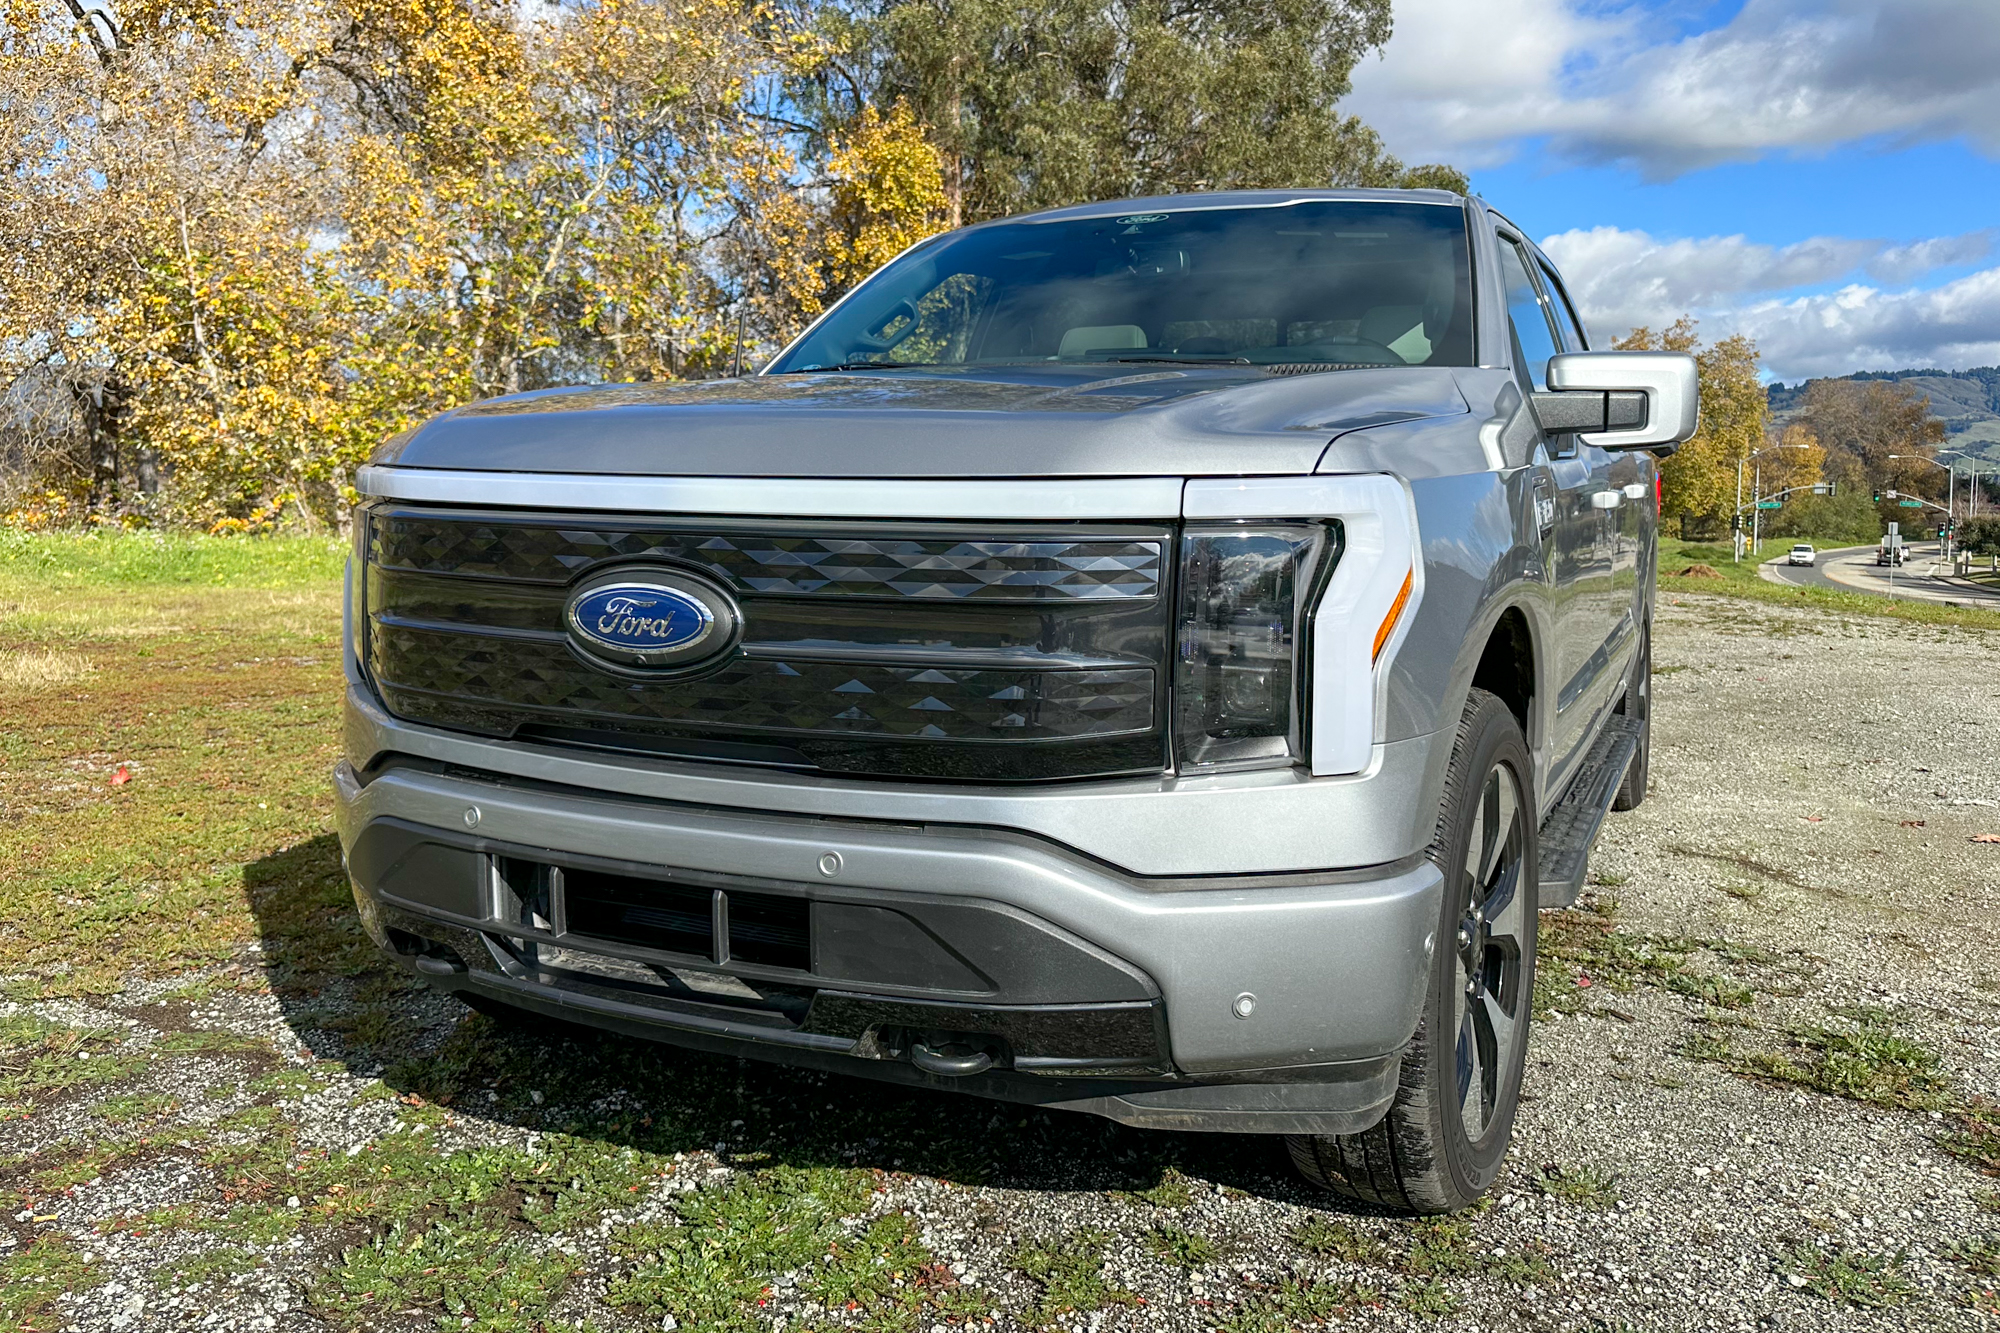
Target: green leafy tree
x: 1862, y: 423
x: 1041, y: 103
x: 1981, y: 536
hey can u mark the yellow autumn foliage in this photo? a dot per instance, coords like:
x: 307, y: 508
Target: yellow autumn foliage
x: 242, y: 241
x: 1699, y: 480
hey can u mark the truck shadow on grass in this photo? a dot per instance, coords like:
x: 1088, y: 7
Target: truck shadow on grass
x: 348, y: 1004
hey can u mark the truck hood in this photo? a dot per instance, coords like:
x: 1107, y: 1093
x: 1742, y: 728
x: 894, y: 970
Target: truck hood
x: 1038, y: 420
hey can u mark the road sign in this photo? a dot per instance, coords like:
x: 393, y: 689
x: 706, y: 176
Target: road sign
x: 1911, y: 504
x: 1770, y: 504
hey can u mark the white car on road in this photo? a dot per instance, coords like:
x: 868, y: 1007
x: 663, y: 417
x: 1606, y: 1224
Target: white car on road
x: 1802, y: 554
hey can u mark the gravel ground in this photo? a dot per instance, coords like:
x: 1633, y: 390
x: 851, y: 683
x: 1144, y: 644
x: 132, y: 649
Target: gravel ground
x: 1806, y: 856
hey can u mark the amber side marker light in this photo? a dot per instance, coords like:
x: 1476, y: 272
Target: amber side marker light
x: 1395, y: 614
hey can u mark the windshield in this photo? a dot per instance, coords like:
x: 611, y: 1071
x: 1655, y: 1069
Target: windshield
x: 1343, y: 283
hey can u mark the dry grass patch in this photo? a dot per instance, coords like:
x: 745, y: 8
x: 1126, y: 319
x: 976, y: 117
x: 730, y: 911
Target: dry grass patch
x: 41, y: 668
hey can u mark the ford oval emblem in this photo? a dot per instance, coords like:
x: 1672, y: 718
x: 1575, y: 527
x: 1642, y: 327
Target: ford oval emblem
x: 651, y: 618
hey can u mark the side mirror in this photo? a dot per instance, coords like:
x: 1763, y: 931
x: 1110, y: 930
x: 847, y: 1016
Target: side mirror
x: 1623, y: 400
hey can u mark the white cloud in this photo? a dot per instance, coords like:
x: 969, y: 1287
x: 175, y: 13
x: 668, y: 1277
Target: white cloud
x: 1623, y: 279
x: 1467, y: 80
x: 1862, y: 328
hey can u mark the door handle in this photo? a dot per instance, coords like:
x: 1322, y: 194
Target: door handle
x: 1637, y: 490
x: 1606, y: 499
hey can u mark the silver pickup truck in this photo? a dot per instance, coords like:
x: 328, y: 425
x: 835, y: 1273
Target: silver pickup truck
x: 1152, y: 658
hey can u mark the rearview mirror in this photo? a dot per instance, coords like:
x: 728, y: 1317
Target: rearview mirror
x: 1623, y: 400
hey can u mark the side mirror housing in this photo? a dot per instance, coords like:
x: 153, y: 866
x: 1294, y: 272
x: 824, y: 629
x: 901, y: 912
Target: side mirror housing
x: 1623, y: 400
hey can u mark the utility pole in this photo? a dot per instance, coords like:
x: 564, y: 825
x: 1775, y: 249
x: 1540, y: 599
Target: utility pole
x: 1736, y: 525
x: 1757, y: 511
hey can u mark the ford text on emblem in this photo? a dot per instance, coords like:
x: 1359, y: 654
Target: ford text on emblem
x: 651, y: 618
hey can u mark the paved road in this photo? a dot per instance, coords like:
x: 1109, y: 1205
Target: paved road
x: 1854, y: 568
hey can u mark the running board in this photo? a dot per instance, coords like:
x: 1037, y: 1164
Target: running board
x: 1571, y: 829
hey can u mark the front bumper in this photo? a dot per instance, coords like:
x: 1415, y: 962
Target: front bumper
x: 1093, y: 989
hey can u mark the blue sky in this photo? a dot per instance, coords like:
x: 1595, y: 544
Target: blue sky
x: 1823, y: 175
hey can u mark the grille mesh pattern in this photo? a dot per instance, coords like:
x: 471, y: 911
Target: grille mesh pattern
x: 751, y: 694
x: 945, y: 569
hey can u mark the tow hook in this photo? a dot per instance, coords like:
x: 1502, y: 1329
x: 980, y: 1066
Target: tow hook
x: 952, y: 1062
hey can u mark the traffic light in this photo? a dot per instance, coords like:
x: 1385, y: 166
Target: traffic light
x: 1876, y: 497
x: 1736, y: 522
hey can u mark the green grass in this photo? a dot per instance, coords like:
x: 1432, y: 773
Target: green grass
x: 112, y: 557
x: 1339, y: 1240
x: 1848, y: 1278
x: 1430, y: 1299
x: 1178, y: 1247
x: 1743, y: 581
x: 1296, y: 1303
x: 1443, y: 1247
x: 1584, y: 1186
x: 1069, y: 1272
x: 40, y: 1059
x: 460, y: 1277
x: 1171, y: 1191
x: 219, y: 706
x: 34, y: 1275
x: 1979, y: 1255
x: 1864, y: 1058
x: 1584, y: 955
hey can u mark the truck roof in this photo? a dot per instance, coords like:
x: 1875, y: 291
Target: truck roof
x: 1230, y: 199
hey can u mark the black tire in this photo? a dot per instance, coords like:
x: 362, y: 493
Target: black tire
x: 1427, y: 1155
x: 1639, y: 703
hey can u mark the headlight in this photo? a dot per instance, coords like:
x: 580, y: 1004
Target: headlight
x: 1246, y: 592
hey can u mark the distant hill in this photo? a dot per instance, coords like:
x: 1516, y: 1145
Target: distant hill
x: 1967, y: 401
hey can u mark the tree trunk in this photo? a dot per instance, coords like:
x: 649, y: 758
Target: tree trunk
x: 100, y: 406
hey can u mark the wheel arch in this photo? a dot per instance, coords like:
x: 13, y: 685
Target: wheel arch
x: 1506, y: 655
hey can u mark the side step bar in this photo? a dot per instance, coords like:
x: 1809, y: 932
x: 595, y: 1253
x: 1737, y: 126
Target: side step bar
x: 1571, y: 829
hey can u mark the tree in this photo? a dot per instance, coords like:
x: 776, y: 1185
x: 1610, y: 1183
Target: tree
x: 1980, y: 536
x: 242, y: 241
x: 1863, y: 423
x: 1698, y: 482
x: 255, y: 238
x: 1041, y: 103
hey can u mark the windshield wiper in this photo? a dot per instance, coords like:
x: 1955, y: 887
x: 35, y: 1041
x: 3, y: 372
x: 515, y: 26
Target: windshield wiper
x: 1198, y: 358
x: 858, y: 365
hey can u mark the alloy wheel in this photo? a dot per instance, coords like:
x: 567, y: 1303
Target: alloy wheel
x: 1488, y: 1006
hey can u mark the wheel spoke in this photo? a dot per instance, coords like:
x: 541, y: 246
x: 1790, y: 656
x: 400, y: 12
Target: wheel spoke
x: 1503, y: 910
x: 1475, y: 847
x: 1495, y: 1018
x: 1471, y: 1078
x: 1501, y: 808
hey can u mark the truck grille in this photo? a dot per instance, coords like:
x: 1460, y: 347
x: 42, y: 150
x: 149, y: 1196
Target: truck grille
x: 1009, y: 652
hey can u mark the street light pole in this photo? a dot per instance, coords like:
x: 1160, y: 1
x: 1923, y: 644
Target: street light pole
x: 1757, y: 511
x: 1736, y: 521
x: 1950, y: 494
x: 1756, y: 493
